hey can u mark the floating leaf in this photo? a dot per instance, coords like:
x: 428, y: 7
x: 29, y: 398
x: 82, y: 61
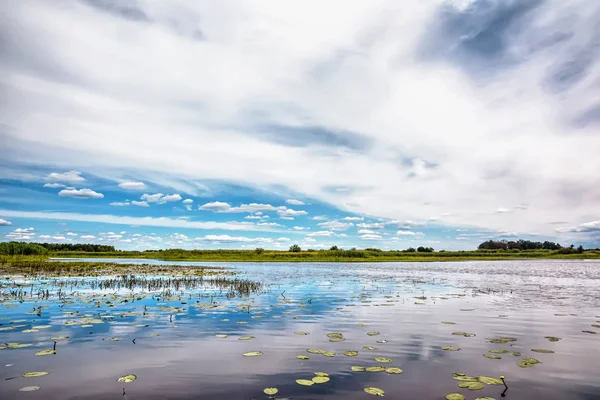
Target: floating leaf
x: 357, y: 368
x: 465, y: 334
x: 18, y: 345
x: 59, y: 337
x: 383, y: 359
x: 35, y: 374
x: 361, y: 324
x: 503, y: 340
x: 552, y: 338
x: 455, y: 396
x: 489, y: 380
x: 41, y: 327
x: 374, y: 391
x: 467, y: 309
x: 465, y: 378
x: 127, y: 378
x: 304, y: 382
x: 29, y: 388
x: 448, y: 323
x: 382, y: 341
x: 590, y: 332
x: 500, y: 351
x: 492, y: 356
x: 45, y: 352
x: 222, y: 336
x: 372, y: 333
x: 369, y: 348
x: 313, y: 351
x: 375, y: 369
x: 301, y: 333
x: 471, y: 385
x: 321, y: 374
x: 114, y: 339
x: 302, y: 357
x: 351, y: 353
x: 516, y: 353
x: 596, y: 326
x: 527, y: 362
x: 393, y: 370
x: 320, y: 379
x: 253, y: 354
x: 246, y: 338
x: 450, y: 348
x: 546, y: 351
x: 271, y: 391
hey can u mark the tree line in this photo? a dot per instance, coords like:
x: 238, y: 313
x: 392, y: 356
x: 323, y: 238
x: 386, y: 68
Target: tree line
x: 22, y: 248
x: 528, y: 245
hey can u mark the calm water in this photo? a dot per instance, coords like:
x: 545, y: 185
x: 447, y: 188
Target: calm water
x: 177, y: 356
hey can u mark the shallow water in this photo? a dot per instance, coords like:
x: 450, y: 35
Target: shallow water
x: 518, y: 299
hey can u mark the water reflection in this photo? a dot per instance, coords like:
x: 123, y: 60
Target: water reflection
x: 176, y: 354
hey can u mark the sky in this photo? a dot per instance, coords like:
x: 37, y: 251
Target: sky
x: 148, y: 124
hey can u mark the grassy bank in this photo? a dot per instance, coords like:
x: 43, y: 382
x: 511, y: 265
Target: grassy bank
x: 331, y: 255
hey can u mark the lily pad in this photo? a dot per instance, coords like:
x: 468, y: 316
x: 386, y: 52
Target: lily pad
x: 246, y: 338
x: 271, y: 391
x: 503, y: 340
x: 59, y: 337
x: 492, y: 356
x: 320, y: 379
x: 488, y: 380
x: 546, y: 351
x: 471, y: 385
x: 465, y: 334
x: 448, y: 323
x: 552, y: 338
x: 321, y: 374
x: 383, y: 359
x: 29, y: 388
x: 127, y: 378
x: 455, y: 396
x: 351, y: 353
x: 357, y: 368
x: 590, y: 332
x: 313, y: 351
x: 253, y: 354
x: 382, y: 341
x: 301, y: 333
x: 304, y: 382
x: 373, y: 333
x: 375, y: 369
x: 527, y: 362
x: 302, y: 357
x: 35, y: 374
x: 369, y: 348
x: 45, y: 352
x: 496, y: 351
x: 393, y: 370
x: 222, y: 336
x: 18, y: 345
x: 374, y: 391
x: 450, y: 348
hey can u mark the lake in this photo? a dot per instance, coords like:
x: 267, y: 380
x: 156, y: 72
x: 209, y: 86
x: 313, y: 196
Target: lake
x: 391, y: 311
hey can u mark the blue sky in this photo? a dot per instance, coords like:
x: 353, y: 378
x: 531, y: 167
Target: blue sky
x: 191, y: 124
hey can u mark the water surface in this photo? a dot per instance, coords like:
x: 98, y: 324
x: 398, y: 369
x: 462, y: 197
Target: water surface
x: 178, y: 356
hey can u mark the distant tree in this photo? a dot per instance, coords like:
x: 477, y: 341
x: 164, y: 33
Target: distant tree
x: 334, y: 248
x: 422, y: 249
x: 410, y: 250
x: 580, y: 249
x: 259, y: 250
x: 295, y: 248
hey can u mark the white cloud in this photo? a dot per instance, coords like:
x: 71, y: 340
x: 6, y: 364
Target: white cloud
x: 295, y: 202
x: 502, y: 210
x: 300, y: 228
x: 4, y: 222
x: 371, y: 225
x: 170, y: 198
x: 287, y: 218
x: 54, y: 185
x: 58, y: 237
x: 44, y: 237
x: 140, y: 221
x: 253, y: 217
x: 21, y: 234
x: 119, y: 204
x: 81, y: 193
x: 405, y: 233
x: 136, y: 235
x: 231, y: 239
x: 320, y: 218
x: 354, y: 218
x: 140, y: 203
x: 130, y: 185
x: 593, y: 226
x: 68, y: 177
x: 371, y: 237
x: 188, y: 201
x: 268, y: 224
x: 335, y: 225
x: 24, y: 230
x: 151, y: 198
x: 365, y: 232
x: 288, y: 212
x: 320, y: 233
x: 282, y: 239
x: 88, y: 237
x: 216, y: 206
x: 71, y: 234
x: 252, y: 208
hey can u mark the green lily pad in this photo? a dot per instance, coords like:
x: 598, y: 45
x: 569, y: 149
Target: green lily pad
x: 503, y: 340
x: 35, y: 374
x: 471, y: 385
x: 448, y: 323
x: 455, y: 374
x: 246, y: 338
x: 590, y: 332
x: 375, y: 369
x: 253, y: 354
x: 382, y: 341
x: 492, y: 356
x: 59, y: 337
x: 304, y: 382
x: 222, y: 336
x: 313, y: 351
x: 496, y: 351
x: 18, y: 345
x: 321, y: 374
x: 369, y: 348
x: 465, y: 334
x: 271, y: 391
x: 467, y: 309
x: 489, y: 380
x: 45, y: 352
x: 320, y: 379
x: 465, y: 378
x: 552, y: 338
x: 302, y: 357
x: 357, y: 368
x: 596, y: 326
x: 328, y: 353
x: 516, y: 353
x: 373, y: 333
x: 383, y: 359
x: 29, y: 388
x: 450, y: 348
x: 127, y: 378
x: 351, y: 353
x: 527, y: 362
x: 374, y: 391
x: 455, y: 396
x: 301, y: 333
x: 393, y: 370
x: 546, y: 351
